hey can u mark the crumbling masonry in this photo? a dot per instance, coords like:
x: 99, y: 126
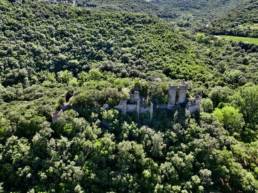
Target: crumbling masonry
x: 176, y: 98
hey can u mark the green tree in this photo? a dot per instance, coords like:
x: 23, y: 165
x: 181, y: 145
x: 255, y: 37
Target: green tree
x: 207, y: 105
x: 157, y: 145
x: 231, y: 118
x: 247, y: 100
x: 5, y: 127
x: 220, y: 95
x: 65, y: 76
x: 235, y: 77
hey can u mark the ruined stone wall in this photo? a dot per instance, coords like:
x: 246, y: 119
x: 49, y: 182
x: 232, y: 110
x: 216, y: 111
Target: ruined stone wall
x: 172, y: 92
x: 193, y: 108
x: 182, y: 94
x: 176, y: 96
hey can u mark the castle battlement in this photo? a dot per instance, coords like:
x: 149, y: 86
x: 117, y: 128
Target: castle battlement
x: 176, y: 98
x: 136, y: 103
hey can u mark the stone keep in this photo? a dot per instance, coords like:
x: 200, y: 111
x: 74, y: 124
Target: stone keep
x: 151, y: 111
x: 122, y: 106
x: 136, y: 96
x: 172, y: 95
x: 182, y: 94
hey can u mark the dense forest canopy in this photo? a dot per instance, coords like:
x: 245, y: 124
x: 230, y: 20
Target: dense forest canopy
x: 242, y: 21
x: 80, y: 62
x: 187, y: 13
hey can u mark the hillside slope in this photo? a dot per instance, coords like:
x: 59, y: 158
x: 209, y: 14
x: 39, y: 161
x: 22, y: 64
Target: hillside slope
x: 37, y: 37
x: 186, y: 13
x: 242, y: 21
x: 98, y: 58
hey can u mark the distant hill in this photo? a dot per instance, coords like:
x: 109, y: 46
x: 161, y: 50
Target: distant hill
x: 100, y: 57
x: 60, y: 37
x: 186, y: 13
x: 242, y: 21
x: 118, y: 5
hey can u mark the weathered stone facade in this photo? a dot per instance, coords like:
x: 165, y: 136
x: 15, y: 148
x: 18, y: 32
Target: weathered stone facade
x: 136, y: 103
x: 176, y: 98
x: 181, y: 94
x: 172, y: 96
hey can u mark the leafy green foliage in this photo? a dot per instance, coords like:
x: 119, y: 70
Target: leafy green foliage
x: 230, y: 117
x: 48, y: 50
x: 129, y: 45
x: 185, y: 14
x: 241, y: 21
x: 207, y: 105
x: 247, y: 99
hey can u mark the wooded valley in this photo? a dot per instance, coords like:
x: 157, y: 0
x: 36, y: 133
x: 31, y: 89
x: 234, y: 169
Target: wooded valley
x: 65, y: 68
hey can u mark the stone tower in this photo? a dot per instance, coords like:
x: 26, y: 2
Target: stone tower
x: 172, y: 96
x: 182, y: 93
x: 136, y: 96
x: 123, y: 105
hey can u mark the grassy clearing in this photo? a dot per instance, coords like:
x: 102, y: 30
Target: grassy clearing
x: 247, y: 40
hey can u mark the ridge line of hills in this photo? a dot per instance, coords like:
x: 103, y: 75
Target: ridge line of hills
x: 48, y: 51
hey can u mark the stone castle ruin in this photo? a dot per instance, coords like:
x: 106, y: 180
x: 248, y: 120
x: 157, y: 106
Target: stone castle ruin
x: 176, y: 98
